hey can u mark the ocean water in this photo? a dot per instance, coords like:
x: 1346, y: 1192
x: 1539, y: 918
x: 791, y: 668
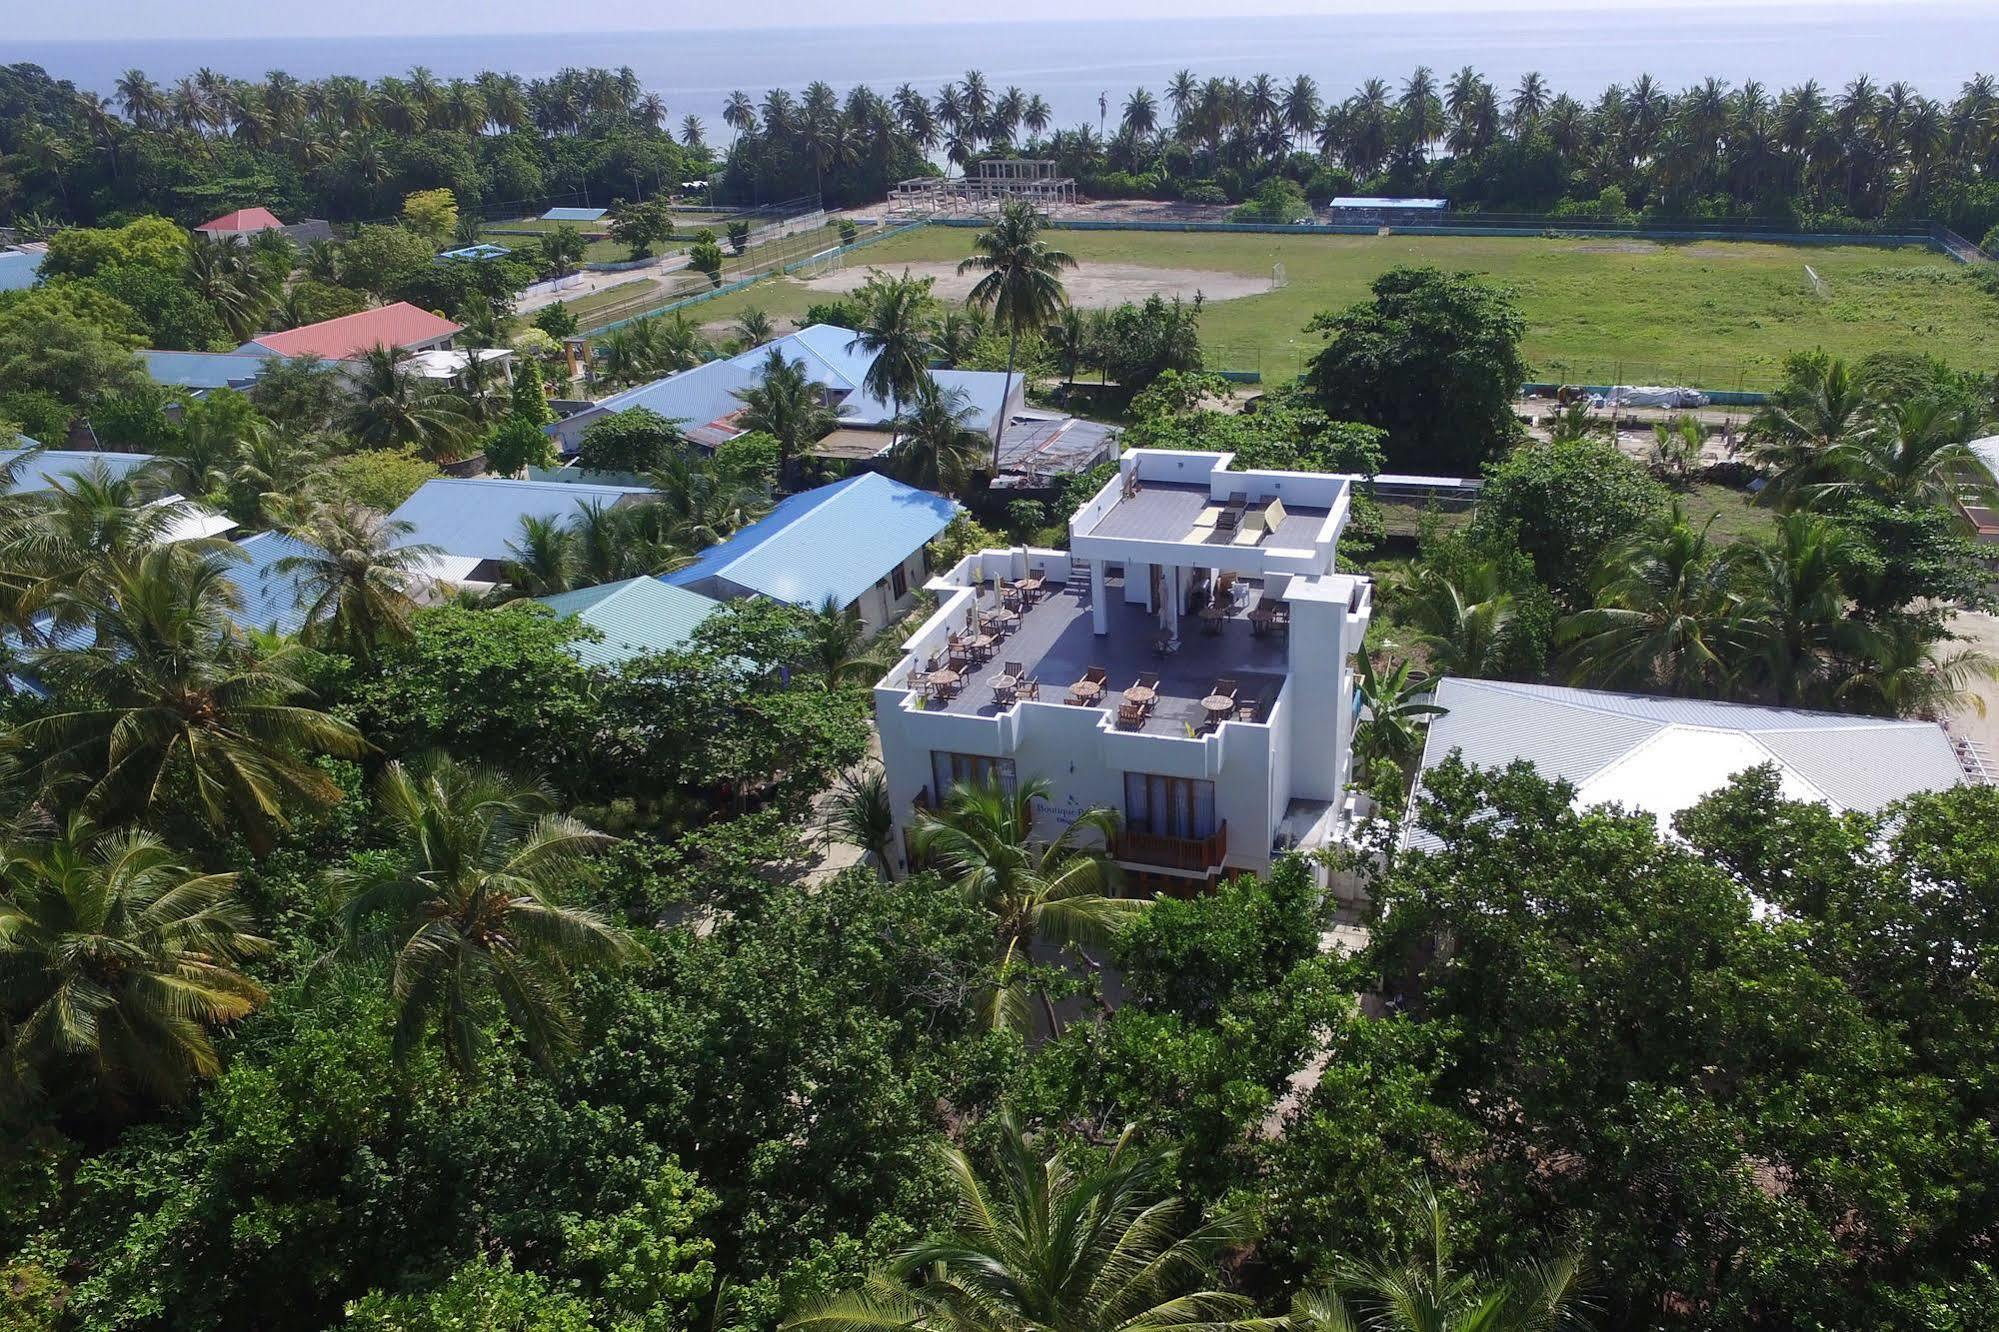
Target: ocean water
x: 1933, y: 46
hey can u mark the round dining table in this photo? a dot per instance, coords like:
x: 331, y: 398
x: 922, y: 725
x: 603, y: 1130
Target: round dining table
x: 946, y: 678
x: 1217, y: 706
x: 1087, y: 690
x: 1140, y: 695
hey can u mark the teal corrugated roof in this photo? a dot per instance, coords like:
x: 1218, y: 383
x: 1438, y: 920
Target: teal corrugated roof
x: 636, y: 616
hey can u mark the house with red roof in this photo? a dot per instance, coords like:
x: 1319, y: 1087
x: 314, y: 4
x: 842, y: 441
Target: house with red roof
x: 240, y: 225
x: 400, y: 325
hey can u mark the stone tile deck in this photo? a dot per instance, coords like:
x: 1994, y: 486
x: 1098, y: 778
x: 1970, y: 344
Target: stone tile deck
x: 1055, y: 644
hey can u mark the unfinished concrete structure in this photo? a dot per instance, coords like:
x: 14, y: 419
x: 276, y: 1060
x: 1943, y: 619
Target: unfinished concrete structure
x: 991, y: 183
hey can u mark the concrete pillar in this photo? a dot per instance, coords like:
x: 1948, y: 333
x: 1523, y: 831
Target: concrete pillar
x: 1176, y: 597
x: 1100, y: 615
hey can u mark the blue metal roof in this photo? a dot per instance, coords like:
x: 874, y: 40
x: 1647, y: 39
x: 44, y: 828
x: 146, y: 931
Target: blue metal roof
x: 59, y: 464
x: 476, y: 517
x: 203, y: 370
x: 18, y: 269
x: 636, y: 616
x: 838, y: 541
x: 574, y: 214
x: 270, y: 599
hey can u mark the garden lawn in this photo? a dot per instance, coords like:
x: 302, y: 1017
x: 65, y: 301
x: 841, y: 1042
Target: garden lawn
x: 1721, y: 315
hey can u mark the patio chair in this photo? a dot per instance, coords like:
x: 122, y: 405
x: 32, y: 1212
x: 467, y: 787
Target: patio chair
x: 1097, y: 675
x: 1029, y: 689
x: 1003, y: 694
x: 1228, y: 520
x: 1148, y: 680
x: 1130, y: 716
x: 1013, y: 669
x: 1226, y: 687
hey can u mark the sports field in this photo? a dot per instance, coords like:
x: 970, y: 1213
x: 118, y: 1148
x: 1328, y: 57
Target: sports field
x: 1718, y: 314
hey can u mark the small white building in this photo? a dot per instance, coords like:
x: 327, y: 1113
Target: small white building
x: 1204, y: 604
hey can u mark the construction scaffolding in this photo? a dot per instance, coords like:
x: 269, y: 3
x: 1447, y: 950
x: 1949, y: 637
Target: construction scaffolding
x: 994, y: 182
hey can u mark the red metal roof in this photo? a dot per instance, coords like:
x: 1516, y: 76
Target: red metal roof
x: 243, y: 219
x: 398, y: 325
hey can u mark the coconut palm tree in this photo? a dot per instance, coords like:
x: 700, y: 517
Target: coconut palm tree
x: 1799, y: 620
x: 787, y: 406
x: 703, y: 501
x: 1915, y: 452
x: 1107, y: 1248
x: 754, y: 328
x: 837, y: 647
x: 168, y: 706
x: 1020, y: 287
x: 541, y: 561
x: 1793, y: 438
x: 938, y: 449
x: 1055, y: 892
x: 360, y: 579
x: 394, y: 405
x: 894, y: 330
x: 859, y: 813
x: 1906, y: 673
x: 470, y: 909
x: 1465, y: 622
x: 1667, y: 613
x: 1428, y: 1293
x: 225, y: 275
x: 117, y: 963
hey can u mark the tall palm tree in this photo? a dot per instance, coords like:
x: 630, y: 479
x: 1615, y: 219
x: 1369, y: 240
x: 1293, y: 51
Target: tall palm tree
x: 1465, y: 621
x: 1056, y: 892
x: 117, y: 963
x: 787, y: 406
x: 394, y: 405
x: 169, y: 706
x: 360, y: 580
x: 541, y: 561
x: 938, y: 449
x: 894, y: 330
x: 703, y: 500
x: 1793, y: 438
x: 470, y: 911
x: 1916, y: 451
x: 1428, y: 1293
x: 1020, y: 288
x: 1051, y: 1246
x: 838, y: 649
x: 754, y: 328
x: 1798, y: 617
x: 225, y: 274
x: 859, y: 813
x: 1667, y: 613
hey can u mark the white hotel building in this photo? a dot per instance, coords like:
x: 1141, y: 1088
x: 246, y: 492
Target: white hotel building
x: 1245, y: 748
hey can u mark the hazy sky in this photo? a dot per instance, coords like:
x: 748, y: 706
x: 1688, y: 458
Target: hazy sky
x: 114, y: 19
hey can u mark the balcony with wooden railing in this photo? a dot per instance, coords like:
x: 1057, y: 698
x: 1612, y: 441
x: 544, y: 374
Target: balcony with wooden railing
x: 1196, y: 855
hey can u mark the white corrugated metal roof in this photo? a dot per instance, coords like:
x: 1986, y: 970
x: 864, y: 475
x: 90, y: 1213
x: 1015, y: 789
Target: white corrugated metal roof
x: 1664, y: 754
x: 474, y: 518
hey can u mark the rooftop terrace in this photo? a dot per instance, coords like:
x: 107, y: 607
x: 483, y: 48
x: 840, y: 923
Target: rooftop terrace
x: 1054, y: 644
x: 1187, y: 513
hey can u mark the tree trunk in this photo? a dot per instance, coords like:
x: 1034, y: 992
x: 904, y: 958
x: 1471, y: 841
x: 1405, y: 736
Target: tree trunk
x: 999, y: 418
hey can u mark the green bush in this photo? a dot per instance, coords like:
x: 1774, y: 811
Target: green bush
x: 739, y: 235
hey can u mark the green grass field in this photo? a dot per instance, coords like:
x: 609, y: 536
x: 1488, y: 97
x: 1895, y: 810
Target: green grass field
x: 1721, y: 315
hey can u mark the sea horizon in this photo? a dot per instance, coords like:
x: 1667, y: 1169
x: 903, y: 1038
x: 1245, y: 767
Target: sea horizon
x: 1934, y: 46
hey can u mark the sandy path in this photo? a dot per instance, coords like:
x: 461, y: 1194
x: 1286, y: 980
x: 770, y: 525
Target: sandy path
x: 1091, y: 285
x: 1979, y: 631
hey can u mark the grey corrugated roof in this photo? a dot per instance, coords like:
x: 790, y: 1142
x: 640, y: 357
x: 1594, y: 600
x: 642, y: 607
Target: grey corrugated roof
x: 636, y: 616
x: 1861, y: 763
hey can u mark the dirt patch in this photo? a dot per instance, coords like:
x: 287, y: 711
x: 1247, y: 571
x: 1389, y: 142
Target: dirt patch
x: 1615, y: 247
x: 1090, y: 285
